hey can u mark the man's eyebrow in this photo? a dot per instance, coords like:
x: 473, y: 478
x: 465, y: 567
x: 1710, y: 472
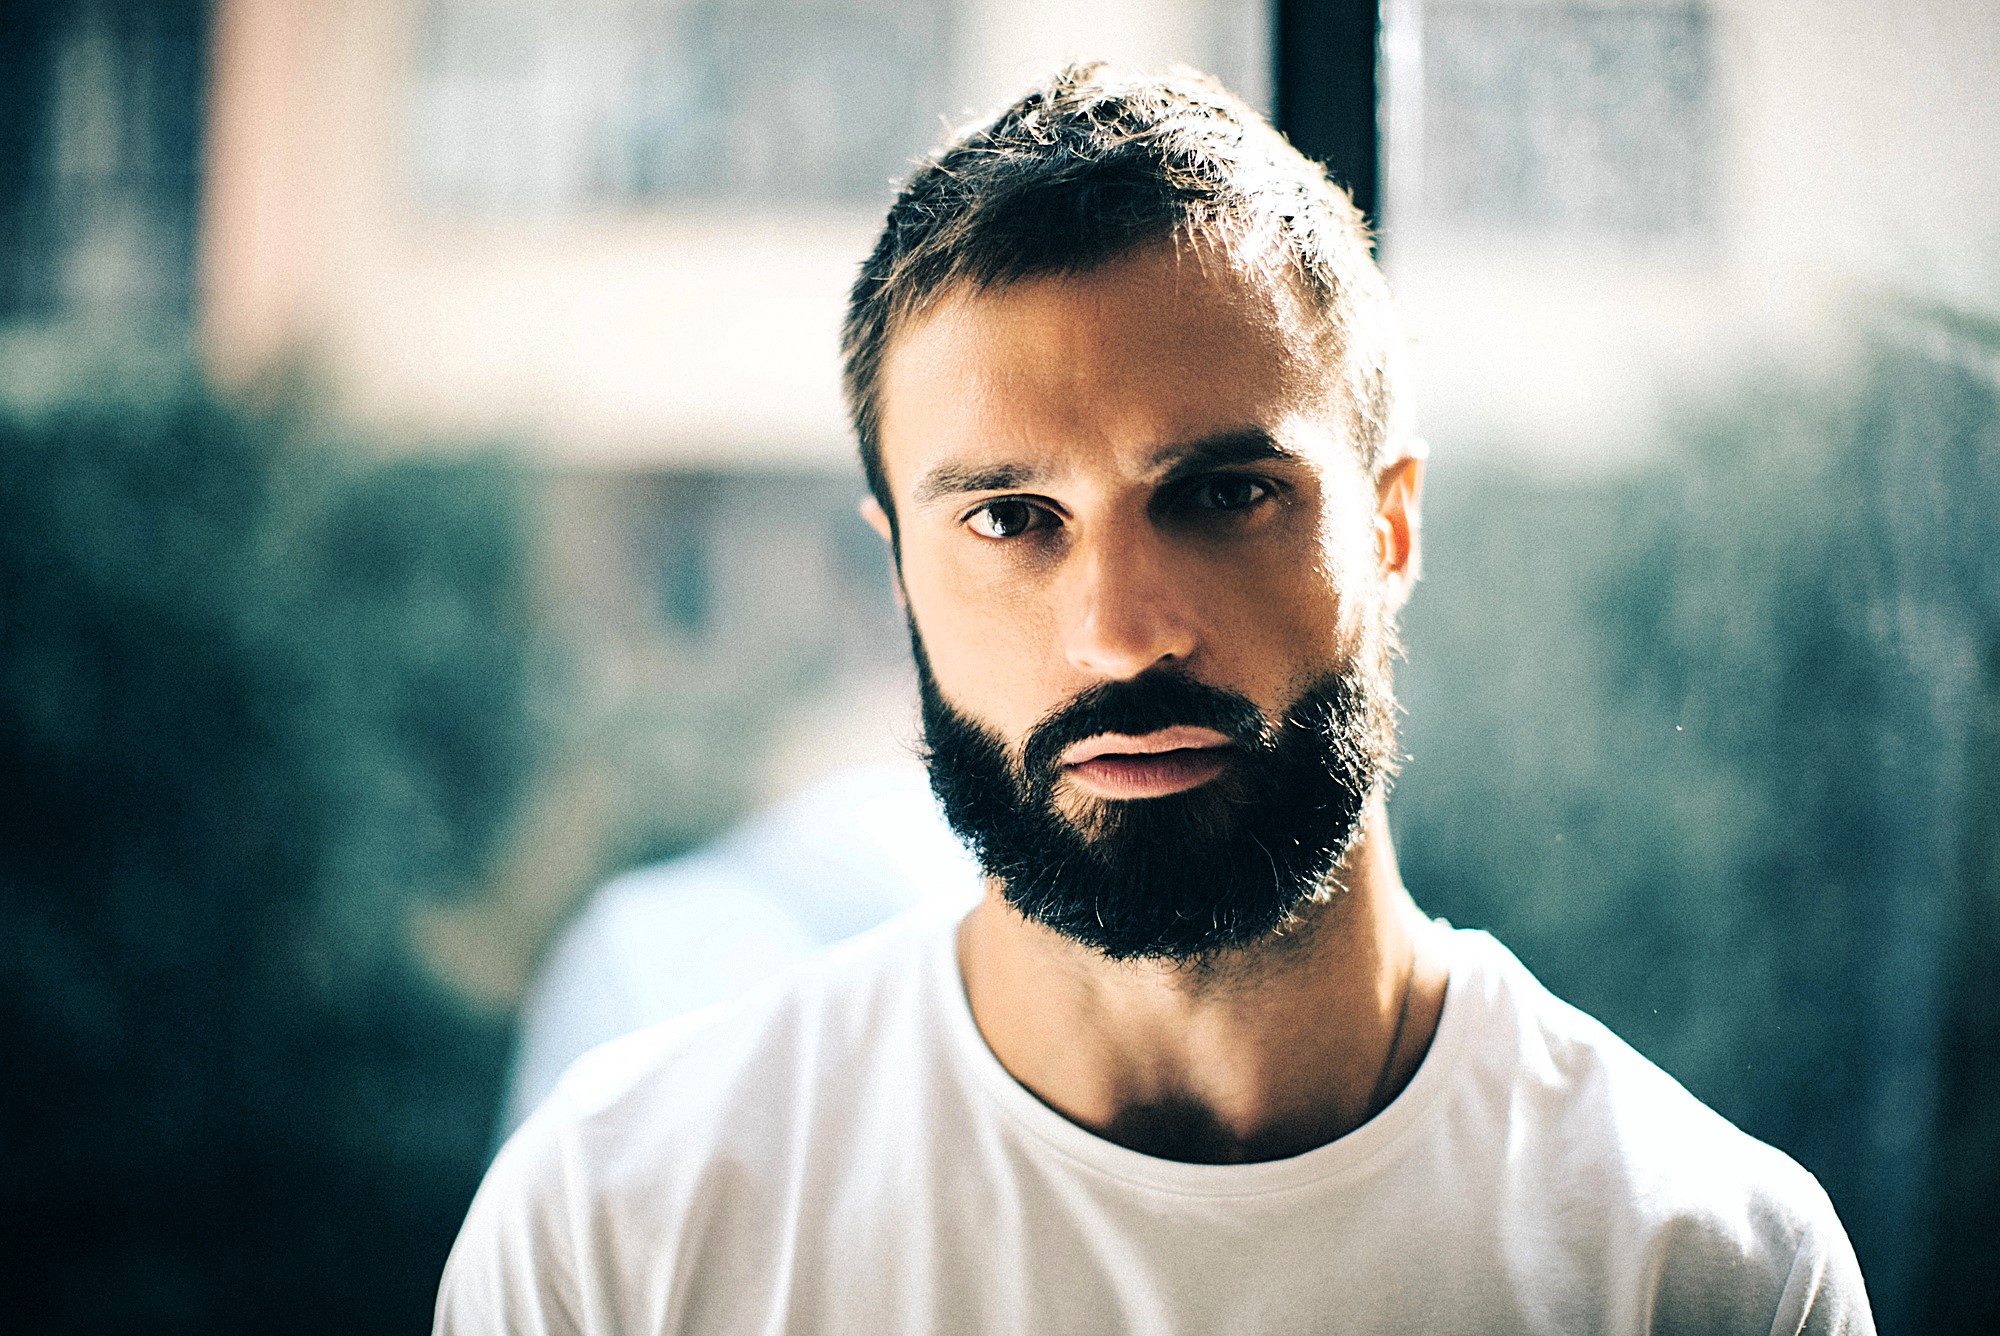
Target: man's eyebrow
x: 1250, y: 445
x: 957, y: 479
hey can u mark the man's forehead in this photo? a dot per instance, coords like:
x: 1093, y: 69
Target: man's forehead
x: 1156, y: 352
x: 1188, y: 285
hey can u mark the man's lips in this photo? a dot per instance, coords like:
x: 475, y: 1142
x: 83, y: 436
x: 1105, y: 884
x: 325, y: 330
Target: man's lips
x: 1150, y: 765
x: 1181, y: 737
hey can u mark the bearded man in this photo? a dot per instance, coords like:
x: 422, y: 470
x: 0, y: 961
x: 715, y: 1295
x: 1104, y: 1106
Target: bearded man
x: 1123, y: 373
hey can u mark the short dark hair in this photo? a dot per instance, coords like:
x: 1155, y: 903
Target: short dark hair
x: 1094, y: 164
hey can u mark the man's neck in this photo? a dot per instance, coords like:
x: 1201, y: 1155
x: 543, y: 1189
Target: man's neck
x: 1257, y: 1054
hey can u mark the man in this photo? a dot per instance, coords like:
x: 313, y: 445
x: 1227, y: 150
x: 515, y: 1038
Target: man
x: 1123, y: 375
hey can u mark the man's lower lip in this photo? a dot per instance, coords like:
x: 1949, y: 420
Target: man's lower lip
x: 1149, y: 775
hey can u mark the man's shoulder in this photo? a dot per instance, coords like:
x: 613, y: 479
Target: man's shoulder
x: 815, y: 1022
x: 1595, y: 1126
x: 1569, y: 1077
x: 693, y: 1126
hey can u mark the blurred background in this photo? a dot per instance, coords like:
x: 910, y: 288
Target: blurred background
x: 424, y: 493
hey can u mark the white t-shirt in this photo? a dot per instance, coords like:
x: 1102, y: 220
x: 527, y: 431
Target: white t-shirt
x: 841, y: 1152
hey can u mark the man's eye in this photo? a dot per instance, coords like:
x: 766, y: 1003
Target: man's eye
x: 1005, y: 519
x: 1229, y: 491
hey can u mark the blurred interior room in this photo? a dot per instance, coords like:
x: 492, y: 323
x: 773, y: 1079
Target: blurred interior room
x: 426, y: 495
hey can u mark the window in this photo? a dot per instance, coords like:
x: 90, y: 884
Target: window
x: 523, y: 108
x: 1591, y: 119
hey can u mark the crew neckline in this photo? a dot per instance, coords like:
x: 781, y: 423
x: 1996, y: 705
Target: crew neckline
x: 1345, y: 1156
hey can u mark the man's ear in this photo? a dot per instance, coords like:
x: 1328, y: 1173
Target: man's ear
x: 878, y: 520
x: 1399, y: 526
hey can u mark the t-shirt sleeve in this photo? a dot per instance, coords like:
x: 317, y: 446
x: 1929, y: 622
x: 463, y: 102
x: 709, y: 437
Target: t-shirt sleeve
x: 1783, y: 1266
x: 513, y: 1269
x: 1824, y: 1294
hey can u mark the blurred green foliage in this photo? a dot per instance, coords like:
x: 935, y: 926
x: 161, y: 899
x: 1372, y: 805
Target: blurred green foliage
x: 257, y: 696
x: 1703, y: 744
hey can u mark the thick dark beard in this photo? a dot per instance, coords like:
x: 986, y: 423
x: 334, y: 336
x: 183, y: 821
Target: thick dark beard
x: 1191, y: 875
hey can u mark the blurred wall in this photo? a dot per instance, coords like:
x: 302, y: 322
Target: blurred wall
x: 1596, y: 210
x: 460, y: 213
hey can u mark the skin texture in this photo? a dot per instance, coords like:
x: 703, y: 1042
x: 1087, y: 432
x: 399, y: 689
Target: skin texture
x: 1108, y: 473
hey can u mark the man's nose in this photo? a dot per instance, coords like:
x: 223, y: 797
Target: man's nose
x: 1124, y: 611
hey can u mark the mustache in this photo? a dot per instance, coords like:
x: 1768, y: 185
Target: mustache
x: 1155, y: 700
